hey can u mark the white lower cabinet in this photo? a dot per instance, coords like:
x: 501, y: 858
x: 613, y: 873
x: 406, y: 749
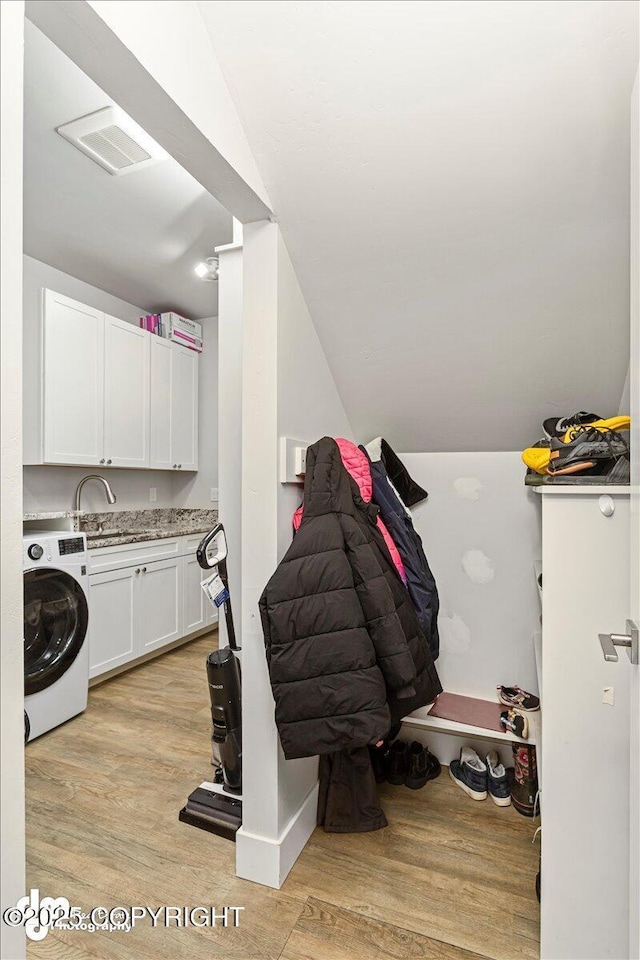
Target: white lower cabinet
x: 146, y: 605
x: 198, y: 611
x: 194, y: 598
x: 113, y: 619
x: 160, y: 604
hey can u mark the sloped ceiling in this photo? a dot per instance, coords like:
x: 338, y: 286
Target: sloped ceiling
x: 451, y: 179
x: 137, y: 236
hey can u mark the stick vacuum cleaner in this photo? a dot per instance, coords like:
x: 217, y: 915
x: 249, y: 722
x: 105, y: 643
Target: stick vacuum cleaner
x: 217, y: 806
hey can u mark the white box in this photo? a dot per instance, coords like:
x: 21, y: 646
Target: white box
x: 173, y: 321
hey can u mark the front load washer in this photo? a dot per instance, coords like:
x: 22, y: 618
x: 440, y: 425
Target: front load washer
x: 56, y: 620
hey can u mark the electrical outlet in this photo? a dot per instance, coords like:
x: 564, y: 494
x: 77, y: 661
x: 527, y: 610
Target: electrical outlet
x: 153, y: 494
x: 214, y: 494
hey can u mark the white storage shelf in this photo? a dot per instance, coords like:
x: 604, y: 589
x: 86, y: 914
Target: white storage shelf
x: 457, y: 729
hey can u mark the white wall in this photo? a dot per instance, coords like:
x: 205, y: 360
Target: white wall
x: 12, y: 879
x: 52, y: 488
x: 481, y: 532
x: 309, y: 407
x: 452, y: 183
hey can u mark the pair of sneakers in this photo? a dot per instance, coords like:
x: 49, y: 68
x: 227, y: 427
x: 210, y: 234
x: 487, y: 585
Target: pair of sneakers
x: 520, y: 703
x: 478, y: 779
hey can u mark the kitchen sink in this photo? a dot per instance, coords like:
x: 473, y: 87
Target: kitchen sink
x: 104, y: 534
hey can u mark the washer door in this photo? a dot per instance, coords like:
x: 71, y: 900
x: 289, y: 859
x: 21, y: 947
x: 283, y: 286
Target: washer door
x: 55, y: 626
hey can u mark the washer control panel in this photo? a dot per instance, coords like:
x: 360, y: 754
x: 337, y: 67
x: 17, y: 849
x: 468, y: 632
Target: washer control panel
x: 47, y: 548
x: 71, y: 545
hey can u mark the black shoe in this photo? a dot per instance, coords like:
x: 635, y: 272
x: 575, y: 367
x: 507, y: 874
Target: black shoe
x: 423, y: 766
x: 588, y: 448
x: 398, y: 762
x: 557, y: 427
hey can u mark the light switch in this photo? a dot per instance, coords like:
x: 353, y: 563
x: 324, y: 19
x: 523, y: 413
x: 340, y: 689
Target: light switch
x: 214, y: 494
x: 608, y: 695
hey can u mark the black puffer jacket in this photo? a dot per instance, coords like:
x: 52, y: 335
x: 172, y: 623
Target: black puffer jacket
x: 345, y: 651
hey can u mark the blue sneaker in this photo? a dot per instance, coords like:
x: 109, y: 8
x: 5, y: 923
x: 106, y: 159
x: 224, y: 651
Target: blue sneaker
x: 470, y: 774
x: 499, y: 789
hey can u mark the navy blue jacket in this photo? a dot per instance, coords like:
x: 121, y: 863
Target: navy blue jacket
x: 420, y: 582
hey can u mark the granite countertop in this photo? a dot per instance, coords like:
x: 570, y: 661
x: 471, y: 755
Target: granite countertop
x: 119, y: 527
x: 49, y: 515
x: 134, y: 526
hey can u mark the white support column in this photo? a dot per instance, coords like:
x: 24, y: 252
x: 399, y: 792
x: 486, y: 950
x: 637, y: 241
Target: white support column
x: 12, y: 881
x: 230, y: 417
x: 267, y: 847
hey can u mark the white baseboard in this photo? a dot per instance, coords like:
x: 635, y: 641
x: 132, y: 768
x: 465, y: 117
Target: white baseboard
x: 267, y: 861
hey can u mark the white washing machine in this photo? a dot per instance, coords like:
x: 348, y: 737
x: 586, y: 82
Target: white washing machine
x: 56, y: 620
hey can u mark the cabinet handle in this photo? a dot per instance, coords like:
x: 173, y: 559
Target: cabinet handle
x: 179, y: 466
x: 144, y: 569
x: 103, y: 460
x: 138, y: 570
x: 108, y: 462
x: 175, y: 466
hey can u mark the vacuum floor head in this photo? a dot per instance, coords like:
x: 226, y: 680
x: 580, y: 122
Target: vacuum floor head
x: 214, y: 812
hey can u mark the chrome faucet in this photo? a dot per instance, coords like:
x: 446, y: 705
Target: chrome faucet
x: 111, y: 497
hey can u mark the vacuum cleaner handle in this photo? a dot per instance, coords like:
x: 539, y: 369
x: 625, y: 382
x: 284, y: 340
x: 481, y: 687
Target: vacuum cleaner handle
x: 219, y: 560
x: 203, y: 546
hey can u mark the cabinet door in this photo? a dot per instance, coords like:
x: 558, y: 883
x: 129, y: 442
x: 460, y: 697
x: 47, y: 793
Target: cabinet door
x: 126, y: 394
x: 198, y: 611
x: 73, y: 387
x: 184, y: 408
x: 194, y: 598
x: 160, y: 394
x: 160, y: 609
x: 112, y: 619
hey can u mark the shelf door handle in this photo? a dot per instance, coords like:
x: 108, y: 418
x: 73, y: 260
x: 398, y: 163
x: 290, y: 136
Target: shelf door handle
x: 630, y: 641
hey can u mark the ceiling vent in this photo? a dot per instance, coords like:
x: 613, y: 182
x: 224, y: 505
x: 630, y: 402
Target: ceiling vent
x: 113, y: 140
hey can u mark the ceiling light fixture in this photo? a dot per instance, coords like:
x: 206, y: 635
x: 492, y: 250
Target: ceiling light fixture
x: 207, y: 269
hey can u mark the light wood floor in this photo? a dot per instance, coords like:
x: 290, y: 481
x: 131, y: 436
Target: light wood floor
x: 449, y: 878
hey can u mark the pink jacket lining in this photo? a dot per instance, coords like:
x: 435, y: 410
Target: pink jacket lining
x: 357, y: 465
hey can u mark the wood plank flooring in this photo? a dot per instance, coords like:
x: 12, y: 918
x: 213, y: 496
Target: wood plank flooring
x: 449, y: 879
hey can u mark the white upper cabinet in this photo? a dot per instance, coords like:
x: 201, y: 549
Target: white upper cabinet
x: 160, y: 419
x: 126, y: 394
x: 174, y: 406
x: 184, y: 408
x: 73, y: 387
x: 102, y: 392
